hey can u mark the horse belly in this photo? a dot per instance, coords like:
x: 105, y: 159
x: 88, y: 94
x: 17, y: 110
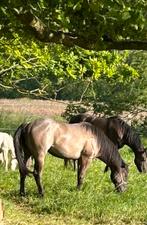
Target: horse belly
x: 69, y: 152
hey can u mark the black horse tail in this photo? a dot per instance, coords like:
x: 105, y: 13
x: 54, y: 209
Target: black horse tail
x: 19, y: 152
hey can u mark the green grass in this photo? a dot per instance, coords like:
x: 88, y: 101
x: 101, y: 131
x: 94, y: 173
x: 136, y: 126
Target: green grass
x: 96, y: 203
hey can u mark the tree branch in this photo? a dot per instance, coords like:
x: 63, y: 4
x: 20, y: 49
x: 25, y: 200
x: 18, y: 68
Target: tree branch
x: 5, y: 87
x: 44, y: 34
x: 3, y: 71
x: 127, y: 45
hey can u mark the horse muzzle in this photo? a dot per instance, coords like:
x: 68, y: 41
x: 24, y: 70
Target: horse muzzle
x: 121, y: 187
x: 143, y: 168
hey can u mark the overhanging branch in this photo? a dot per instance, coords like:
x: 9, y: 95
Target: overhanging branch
x: 127, y: 45
x: 43, y: 34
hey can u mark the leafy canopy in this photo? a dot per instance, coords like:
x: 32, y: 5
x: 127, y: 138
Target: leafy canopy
x: 96, y: 25
x: 36, y: 60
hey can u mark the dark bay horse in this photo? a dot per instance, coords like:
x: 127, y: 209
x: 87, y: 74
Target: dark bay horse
x: 81, y: 141
x: 120, y: 133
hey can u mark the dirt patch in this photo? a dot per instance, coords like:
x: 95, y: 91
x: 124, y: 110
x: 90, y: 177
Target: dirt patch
x: 35, y: 107
x: 53, y: 108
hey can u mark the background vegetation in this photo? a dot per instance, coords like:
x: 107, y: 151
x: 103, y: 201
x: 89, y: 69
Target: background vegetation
x: 98, y: 79
x: 49, y: 49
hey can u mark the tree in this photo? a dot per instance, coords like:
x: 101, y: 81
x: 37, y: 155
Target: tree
x: 94, y: 25
x: 109, y: 80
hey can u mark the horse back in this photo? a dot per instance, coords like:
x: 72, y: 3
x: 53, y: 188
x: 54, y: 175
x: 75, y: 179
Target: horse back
x: 70, y: 140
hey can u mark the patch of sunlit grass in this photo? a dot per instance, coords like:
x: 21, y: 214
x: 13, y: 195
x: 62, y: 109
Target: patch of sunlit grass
x: 96, y: 203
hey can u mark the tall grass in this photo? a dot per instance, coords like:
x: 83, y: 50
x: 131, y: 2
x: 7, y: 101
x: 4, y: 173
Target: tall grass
x: 96, y: 203
x: 9, y: 121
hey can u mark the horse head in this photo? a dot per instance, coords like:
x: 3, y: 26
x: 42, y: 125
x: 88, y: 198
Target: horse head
x: 141, y: 160
x: 119, y: 178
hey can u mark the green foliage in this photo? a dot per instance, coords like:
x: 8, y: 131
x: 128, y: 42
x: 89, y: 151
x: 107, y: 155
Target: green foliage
x: 73, y: 109
x: 109, y: 81
x: 122, y: 85
x: 36, y: 67
x: 100, y: 79
x: 93, y: 19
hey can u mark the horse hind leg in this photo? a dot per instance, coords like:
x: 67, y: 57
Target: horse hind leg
x: 22, y: 184
x: 38, y: 166
x: 23, y: 177
x: 83, y: 163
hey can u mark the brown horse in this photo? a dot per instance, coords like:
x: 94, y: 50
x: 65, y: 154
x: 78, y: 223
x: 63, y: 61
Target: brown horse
x: 120, y: 133
x: 81, y: 141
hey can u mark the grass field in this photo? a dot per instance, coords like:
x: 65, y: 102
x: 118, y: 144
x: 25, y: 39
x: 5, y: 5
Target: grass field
x: 96, y: 203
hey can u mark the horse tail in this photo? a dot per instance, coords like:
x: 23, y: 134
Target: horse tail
x: 19, y: 152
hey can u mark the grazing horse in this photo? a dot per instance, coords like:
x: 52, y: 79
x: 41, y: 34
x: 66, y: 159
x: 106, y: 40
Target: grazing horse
x: 81, y: 141
x: 6, y: 146
x: 120, y: 133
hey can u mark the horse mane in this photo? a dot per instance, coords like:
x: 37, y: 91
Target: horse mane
x: 115, y: 125
x: 81, y: 117
x: 130, y: 137
x: 108, y: 150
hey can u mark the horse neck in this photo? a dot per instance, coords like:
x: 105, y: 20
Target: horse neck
x: 111, y: 157
x: 132, y: 139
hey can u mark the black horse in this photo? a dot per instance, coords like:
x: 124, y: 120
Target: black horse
x: 120, y: 133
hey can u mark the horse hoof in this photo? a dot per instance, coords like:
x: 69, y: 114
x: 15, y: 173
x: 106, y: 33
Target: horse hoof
x: 41, y: 195
x: 22, y: 194
x: 121, y: 190
x: 79, y: 188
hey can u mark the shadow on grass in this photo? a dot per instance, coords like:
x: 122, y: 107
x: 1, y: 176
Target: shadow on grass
x: 58, y: 199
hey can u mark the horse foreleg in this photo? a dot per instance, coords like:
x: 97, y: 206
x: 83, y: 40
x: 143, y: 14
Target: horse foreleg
x: 75, y: 164
x: 37, y: 174
x: 66, y: 162
x: 83, y: 163
x: 5, y: 156
x: 13, y: 164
